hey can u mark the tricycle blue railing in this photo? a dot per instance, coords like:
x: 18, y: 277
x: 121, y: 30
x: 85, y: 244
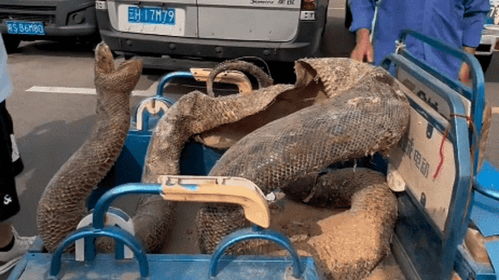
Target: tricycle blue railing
x: 477, y: 94
x: 105, y: 200
x: 99, y: 229
x: 438, y: 264
x: 163, y: 83
x: 255, y: 233
x: 476, y: 97
x: 115, y: 233
x: 170, y: 76
x: 487, y: 181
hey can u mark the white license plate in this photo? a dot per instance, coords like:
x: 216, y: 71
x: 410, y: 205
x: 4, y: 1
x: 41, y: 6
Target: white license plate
x: 151, y: 20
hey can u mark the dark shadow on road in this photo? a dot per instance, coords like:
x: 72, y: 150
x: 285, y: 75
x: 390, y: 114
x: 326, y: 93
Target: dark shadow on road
x: 57, y: 48
x: 44, y: 150
x: 491, y: 74
x: 337, y: 41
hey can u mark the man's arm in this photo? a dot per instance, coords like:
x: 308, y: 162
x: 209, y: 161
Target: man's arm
x: 362, y: 14
x: 474, y: 17
x: 362, y: 17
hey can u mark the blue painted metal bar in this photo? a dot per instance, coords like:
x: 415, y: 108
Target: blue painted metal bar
x: 453, y: 84
x: 164, y: 267
x: 487, y: 181
x: 456, y: 108
x: 406, y: 64
x: 478, y: 88
x: 112, y: 232
x: 170, y: 76
x: 485, y: 213
x: 119, y: 250
x: 255, y: 233
x: 89, y: 248
x: 19, y: 268
x: 493, y: 251
x: 484, y: 181
x: 487, y: 192
x: 467, y: 268
x: 459, y: 209
x: 159, y: 94
x: 107, y: 198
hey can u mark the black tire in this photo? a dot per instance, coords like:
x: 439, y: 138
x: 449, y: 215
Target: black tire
x: 11, y: 43
x: 484, y: 61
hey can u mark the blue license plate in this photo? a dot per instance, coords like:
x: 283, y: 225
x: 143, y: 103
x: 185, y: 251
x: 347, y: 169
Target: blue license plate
x: 25, y: 27
x: 151, y: 15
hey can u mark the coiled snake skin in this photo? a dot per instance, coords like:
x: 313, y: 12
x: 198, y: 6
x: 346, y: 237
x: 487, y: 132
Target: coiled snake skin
x: 338, y: 110
x: 262, y: 78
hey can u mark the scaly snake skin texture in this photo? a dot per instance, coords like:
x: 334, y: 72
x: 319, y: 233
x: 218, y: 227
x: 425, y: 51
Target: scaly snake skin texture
x: 338, y: 110
x: 62, y: 204
x: 369, y: 116
x: 187, y: 117
x: 348, y: 245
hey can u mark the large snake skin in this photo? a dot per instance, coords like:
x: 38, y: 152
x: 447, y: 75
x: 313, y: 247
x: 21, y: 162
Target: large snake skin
x: 62, y: 204
x: 368, y: 117
x: 338, y: 110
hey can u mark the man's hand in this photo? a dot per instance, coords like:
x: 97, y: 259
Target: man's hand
x: 363, y: 50
x: 464, y: 72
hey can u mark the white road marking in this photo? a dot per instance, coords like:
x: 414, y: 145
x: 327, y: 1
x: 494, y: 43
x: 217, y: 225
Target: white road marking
x: 88, y: 91
x: 68, y: 90
x: 91, y: 91
x: 336, y: 8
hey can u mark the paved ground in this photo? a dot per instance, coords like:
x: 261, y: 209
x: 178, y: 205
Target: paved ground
x: 50, y: 126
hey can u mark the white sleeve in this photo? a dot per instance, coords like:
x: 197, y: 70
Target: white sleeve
x: 5, y: 82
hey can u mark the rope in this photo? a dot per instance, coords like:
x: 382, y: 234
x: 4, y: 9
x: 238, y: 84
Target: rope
x: 446, y: 134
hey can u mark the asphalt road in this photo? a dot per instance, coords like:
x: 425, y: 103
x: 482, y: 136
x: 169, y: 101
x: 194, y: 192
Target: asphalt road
x: 51, y: 123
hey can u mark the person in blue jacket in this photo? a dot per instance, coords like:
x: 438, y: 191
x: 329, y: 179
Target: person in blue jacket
x: 12, y: 245
x: 456, y: 22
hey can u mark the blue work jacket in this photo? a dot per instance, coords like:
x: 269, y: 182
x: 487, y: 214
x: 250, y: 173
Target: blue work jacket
x: 456, y: 22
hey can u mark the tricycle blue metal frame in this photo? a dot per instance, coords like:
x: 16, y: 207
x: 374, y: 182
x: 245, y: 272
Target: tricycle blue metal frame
x: 424, y: 247
x: 159, y: 266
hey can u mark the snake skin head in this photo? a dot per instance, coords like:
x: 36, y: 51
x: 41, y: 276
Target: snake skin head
x: 104, y: 59
x: 107, y: 77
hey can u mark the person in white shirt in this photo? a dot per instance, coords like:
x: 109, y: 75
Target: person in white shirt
x: 12, y: 245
